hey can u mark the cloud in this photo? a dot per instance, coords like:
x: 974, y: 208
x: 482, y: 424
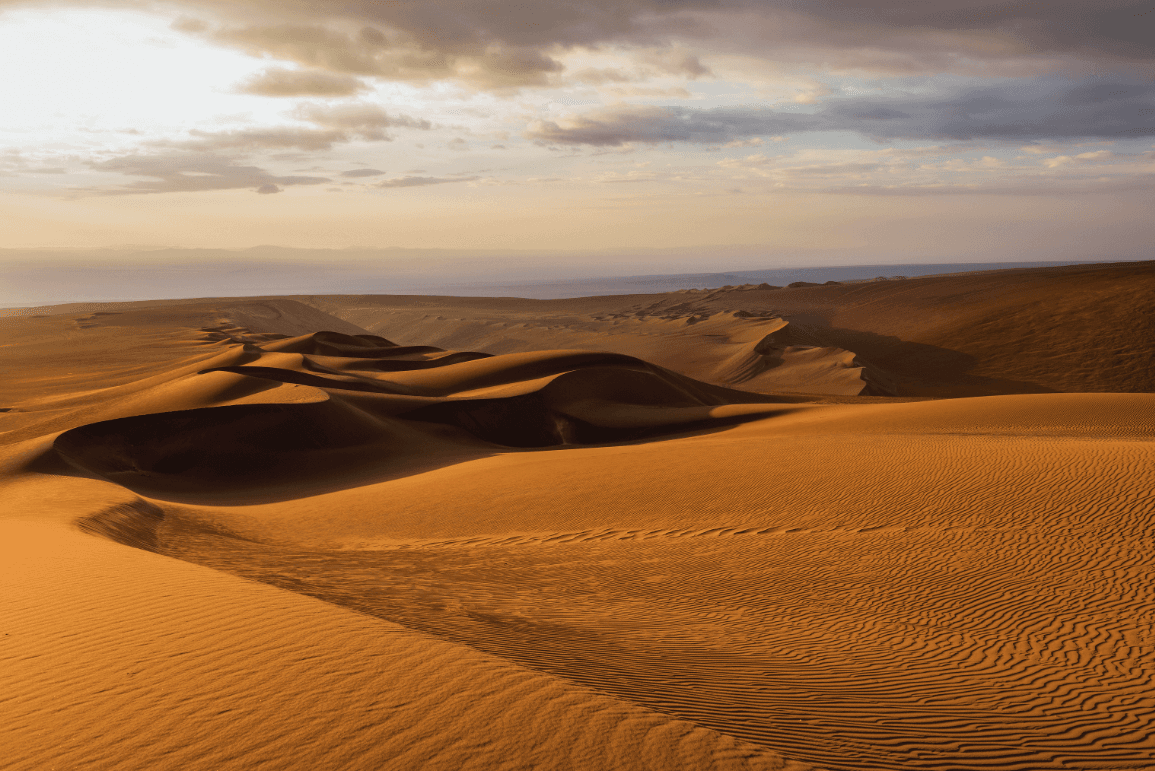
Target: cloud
x: 851, y: 169
x: 433, y: 53
x: 924, y: 152
x: 753, y: 141
x: 509, y: 43
x: 274, y: 138
x: 1097, y: 156
x: 281, y: 82
x: 1024, y: 186
x: 190, y: 25
x: 749, y: 161
x: 623, y: 124
x: 676, y: 92
x: 1105, y: 28
x: 191, y: 172
x: 410, y: 181
x: 635, y: 175
x: 335, y: 124
x: 362, y: 173
x: 675, y: 61
x: 13, y: 162
x: 592, y: 76
x: 1015, y: 109
x: 363, y: 120
x: 811, y: 93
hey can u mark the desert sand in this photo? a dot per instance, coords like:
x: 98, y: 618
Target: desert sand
x: 883, y: 525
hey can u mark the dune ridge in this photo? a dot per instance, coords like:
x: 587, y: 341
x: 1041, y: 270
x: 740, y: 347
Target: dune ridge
x: 1082, y: 328
x: 317, y: 408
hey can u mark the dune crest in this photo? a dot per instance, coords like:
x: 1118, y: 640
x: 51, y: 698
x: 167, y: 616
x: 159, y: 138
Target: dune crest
x: 329, y: 404
x: 1082, y: 328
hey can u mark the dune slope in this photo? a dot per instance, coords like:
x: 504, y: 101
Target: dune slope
x: 1083, y: 328
x: 115, y: 658
x: 556, y: 559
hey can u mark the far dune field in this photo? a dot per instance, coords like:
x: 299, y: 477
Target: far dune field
x: 902, y: 524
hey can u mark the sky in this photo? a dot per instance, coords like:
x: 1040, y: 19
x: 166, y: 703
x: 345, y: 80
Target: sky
x: 849, y: 130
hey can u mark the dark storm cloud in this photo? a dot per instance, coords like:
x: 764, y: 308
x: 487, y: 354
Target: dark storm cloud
x: 191, y: 172
x: 1020, y: 110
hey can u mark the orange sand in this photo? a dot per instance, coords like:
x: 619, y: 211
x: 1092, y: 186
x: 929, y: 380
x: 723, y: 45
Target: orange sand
x: 1079, y: 328
x: 233, y: 540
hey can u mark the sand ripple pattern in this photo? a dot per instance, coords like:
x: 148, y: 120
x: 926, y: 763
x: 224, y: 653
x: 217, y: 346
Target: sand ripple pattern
x: 1009, y: 625
x: 167, y: 665
x: 958, y: 585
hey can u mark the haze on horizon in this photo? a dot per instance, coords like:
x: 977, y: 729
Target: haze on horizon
x: 955, y: 130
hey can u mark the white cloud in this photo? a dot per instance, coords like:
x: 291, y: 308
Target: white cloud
x: 749, y: 161
x: 1096, y: 156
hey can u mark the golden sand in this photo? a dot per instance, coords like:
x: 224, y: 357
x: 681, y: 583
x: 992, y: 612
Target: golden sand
x: 249, y: 534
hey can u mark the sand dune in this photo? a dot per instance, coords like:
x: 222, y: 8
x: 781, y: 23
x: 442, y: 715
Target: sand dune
x: 1070, y: 329
x: 115, y: 658
x: 242, y: 545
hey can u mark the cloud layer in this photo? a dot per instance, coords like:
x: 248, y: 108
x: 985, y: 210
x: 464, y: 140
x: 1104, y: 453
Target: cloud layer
x: 215, y: 160
x: 503, y: 43
x: 1019, y: 110
x: 193, y: 173
x: 700, y: 80
x: 282, y: 82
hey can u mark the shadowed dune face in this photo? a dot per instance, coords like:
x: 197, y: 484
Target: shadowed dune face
x: 403, y: 556
x: 248, y: 443
x: 350, y: 407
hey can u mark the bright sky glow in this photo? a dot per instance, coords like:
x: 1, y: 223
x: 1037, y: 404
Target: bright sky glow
x: 258, y: 122
x: 85, y: 71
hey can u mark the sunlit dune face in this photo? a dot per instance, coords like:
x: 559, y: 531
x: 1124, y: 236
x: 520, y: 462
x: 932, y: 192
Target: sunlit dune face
x: 608, y: 533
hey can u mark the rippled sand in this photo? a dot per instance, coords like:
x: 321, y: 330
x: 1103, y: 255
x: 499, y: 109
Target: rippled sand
x: 230, y: 541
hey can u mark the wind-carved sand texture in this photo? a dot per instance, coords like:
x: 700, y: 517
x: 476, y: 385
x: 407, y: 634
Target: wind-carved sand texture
x: 251, y: 545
